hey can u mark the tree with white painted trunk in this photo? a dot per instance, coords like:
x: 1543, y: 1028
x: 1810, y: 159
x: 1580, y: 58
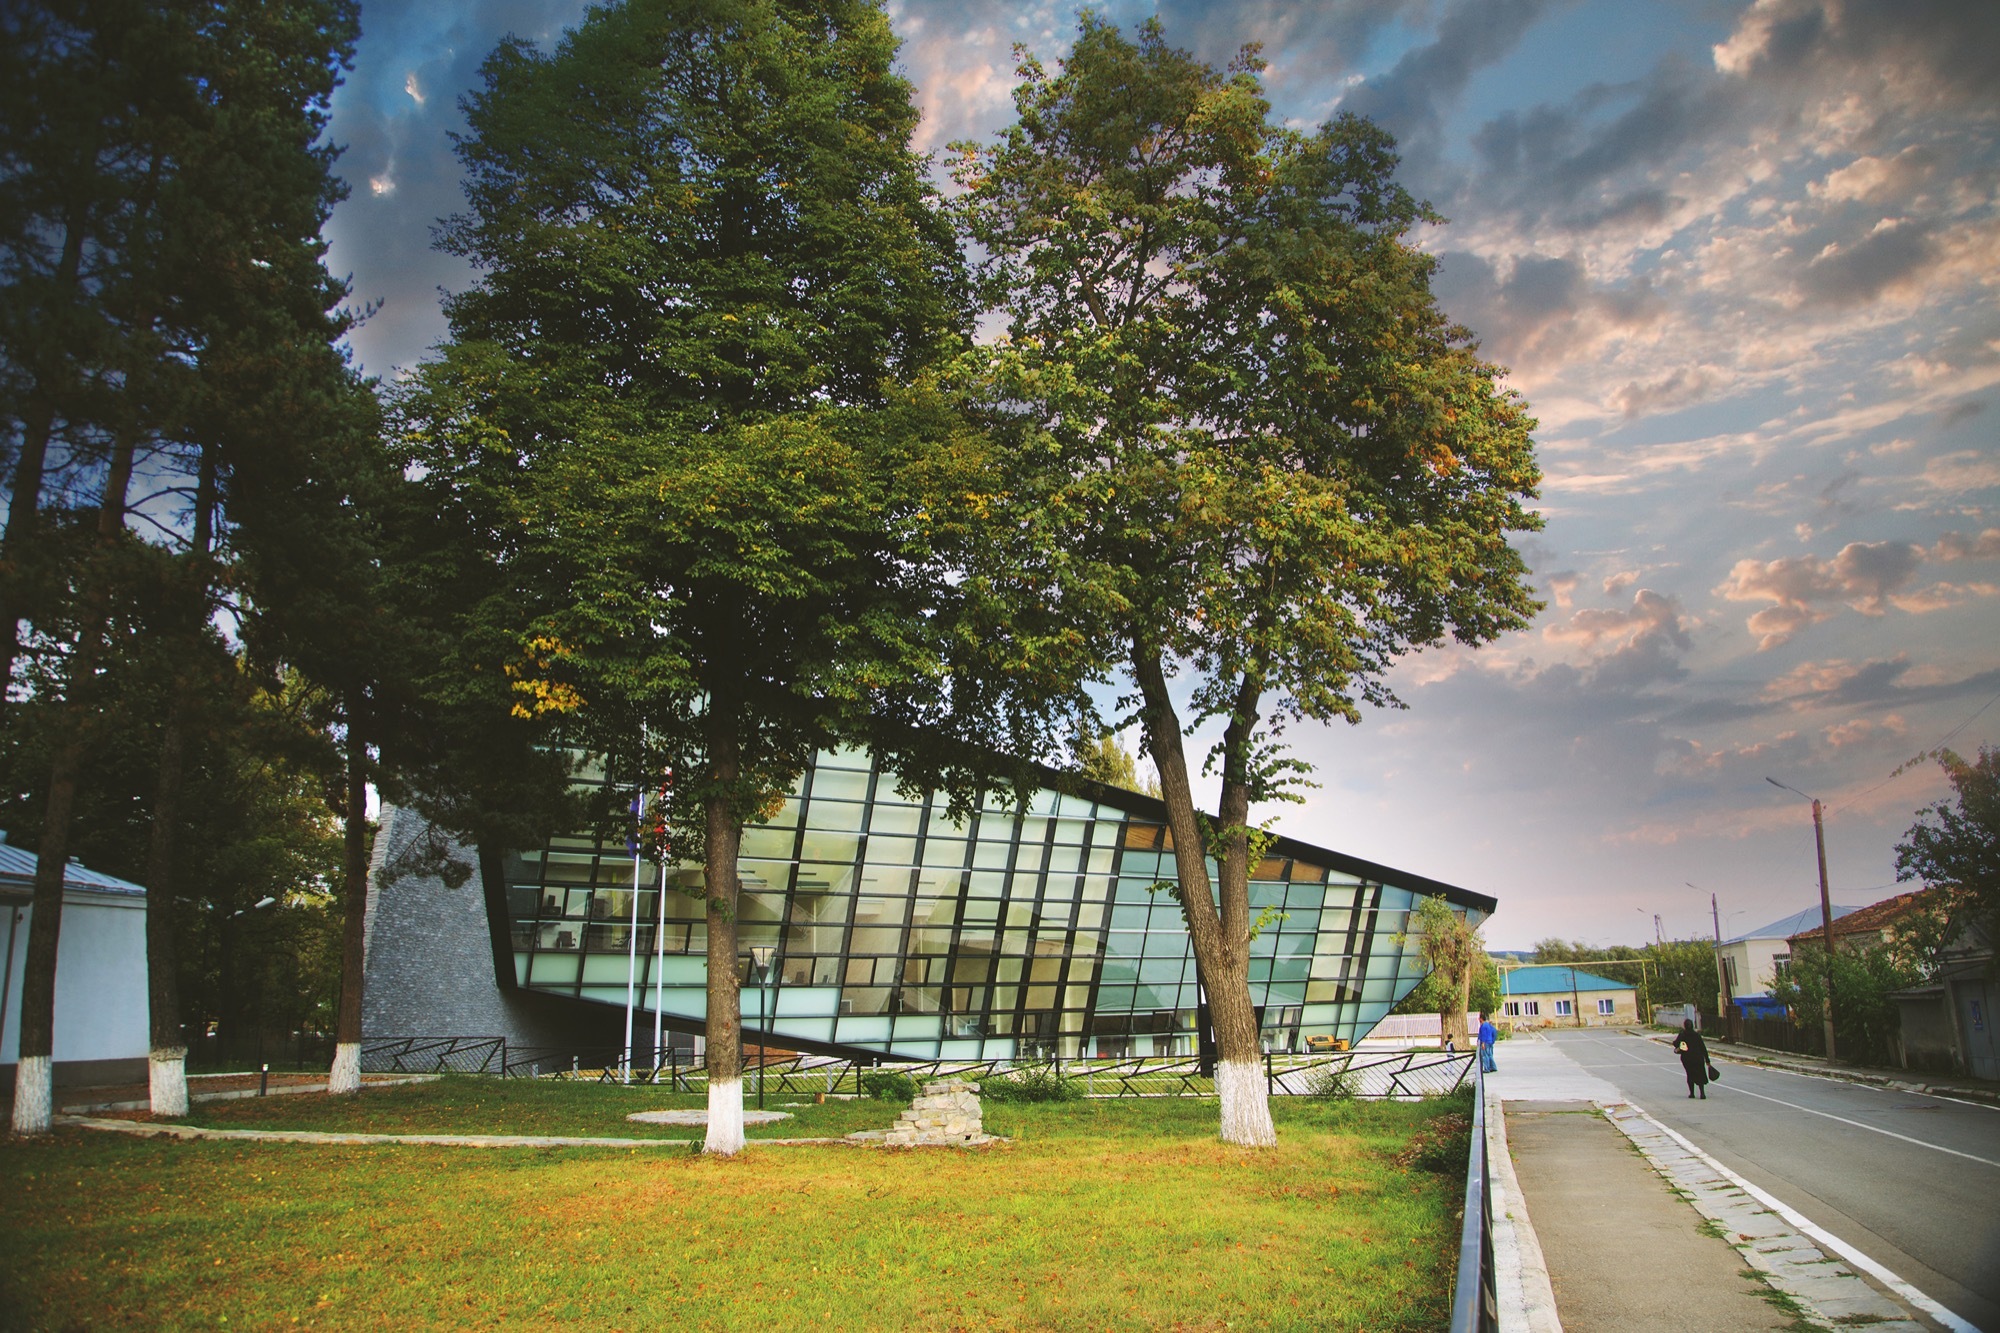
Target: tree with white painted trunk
x: 686, y: 410
x: 1256, y: 462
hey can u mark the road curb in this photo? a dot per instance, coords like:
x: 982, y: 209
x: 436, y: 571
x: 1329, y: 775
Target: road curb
x: 1786, y: 1249
x: 1526, y: 1299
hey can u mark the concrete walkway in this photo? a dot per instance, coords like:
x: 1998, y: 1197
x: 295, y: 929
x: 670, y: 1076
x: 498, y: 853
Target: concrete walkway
x: 1657, y: 1238
x: 146, y: 1130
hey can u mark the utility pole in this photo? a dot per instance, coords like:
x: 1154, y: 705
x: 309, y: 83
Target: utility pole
x: 1825, y: 908
x: 1722, y: 996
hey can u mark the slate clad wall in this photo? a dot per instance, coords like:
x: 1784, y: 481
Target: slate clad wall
x: 430, y: 962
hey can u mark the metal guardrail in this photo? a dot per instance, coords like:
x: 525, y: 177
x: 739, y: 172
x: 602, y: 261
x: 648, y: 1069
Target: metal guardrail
x: 1475, y: 1304
x: 434, y: 1055
x: 1369, y: 1075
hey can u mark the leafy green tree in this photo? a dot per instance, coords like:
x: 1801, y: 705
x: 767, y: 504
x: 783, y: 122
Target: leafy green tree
x: 1109, y: 762
x: 1434, y: 995
x: 1954, y: 847
x: 1453, y: 956
x: 684, y: 412
x: 1866, y: 1016
x: 1254, y: 453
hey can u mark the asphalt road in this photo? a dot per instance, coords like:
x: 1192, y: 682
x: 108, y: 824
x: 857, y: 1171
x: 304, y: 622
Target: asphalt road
x: 1910, y: 1180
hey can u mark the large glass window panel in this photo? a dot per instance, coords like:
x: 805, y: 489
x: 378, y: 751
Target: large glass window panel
x: 825, y: 845
x: 939, y: 912
x: 883, y: 911
x: 944, y: 826
x: 1089, y: 916
x: 991, y: 855
x: 935, y: 883
x: 1159, y: 971
x: 570, y: 868
x: 871, y: 940
x: 1064, y: 860
x: 1130, y: 916
x: 1028, y: 859
x: 865, y: 1000
x: 1007, y: 968
x: 930, y: 941
x: 944, y: 852
x: 768, y: 842
x: 554, y: 969
x: 891, y: 851
x: 823, y: 880
x: 838, y: 785
x: 897, y: 819
x: 982, y: 910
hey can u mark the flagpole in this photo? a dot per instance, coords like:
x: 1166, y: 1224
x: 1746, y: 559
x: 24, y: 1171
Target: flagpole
x: 660, y: 932
x: 632, y: 936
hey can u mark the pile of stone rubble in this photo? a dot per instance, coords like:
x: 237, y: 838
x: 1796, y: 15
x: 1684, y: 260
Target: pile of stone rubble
x: 946, y: 1113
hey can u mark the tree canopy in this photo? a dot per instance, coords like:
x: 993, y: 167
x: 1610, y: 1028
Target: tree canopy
x: 1255, y: 454
x: 687, y: 413
x: 1955, y: 844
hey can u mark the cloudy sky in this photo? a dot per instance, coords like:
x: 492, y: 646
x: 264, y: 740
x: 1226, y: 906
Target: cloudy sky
x: 1741, y: 258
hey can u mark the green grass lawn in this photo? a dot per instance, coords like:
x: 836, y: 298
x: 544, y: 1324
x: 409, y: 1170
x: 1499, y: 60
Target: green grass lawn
x: 1096, y: 1215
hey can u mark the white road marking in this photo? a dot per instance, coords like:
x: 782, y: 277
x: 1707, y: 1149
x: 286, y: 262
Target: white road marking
x: 1873, y: 1129
x: 1808, y: 1227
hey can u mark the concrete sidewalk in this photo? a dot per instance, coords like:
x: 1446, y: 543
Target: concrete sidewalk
x: 1637, y: 1229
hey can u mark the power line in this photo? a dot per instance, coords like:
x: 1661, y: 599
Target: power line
x: 1906, y: 766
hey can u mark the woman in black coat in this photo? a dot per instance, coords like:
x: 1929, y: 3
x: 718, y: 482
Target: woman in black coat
x: 1694, y: 1057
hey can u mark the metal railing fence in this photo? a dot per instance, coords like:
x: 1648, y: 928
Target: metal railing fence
x: 1369, y: 1075
x: 1475, y: 1304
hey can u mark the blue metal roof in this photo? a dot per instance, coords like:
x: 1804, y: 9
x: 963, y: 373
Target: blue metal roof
x: 1787, y: 926
x: 17, y: 867
x: 1550, y: 978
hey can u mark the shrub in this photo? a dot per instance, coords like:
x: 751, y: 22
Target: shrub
x: 1040, y: 1083
x: 889, y: 1085
x: 1333, y: 1082
x: 1443, y: 1144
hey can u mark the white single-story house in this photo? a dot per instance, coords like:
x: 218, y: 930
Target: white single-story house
x: 101, y: 1028
x: 1750, y: 961
x: 1552, y: 994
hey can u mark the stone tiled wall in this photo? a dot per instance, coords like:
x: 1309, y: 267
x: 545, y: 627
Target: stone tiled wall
x: 430, y: 962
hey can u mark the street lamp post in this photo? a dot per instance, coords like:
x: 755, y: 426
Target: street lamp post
x: 1825, y: 907
x: 760, y: 959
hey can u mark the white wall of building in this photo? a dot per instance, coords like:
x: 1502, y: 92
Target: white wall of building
x: 100, y: 978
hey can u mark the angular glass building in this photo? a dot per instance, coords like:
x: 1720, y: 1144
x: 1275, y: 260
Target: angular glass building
x: 1035, y: 929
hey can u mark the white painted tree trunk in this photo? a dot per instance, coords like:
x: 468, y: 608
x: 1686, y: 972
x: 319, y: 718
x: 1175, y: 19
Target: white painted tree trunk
x: 345, y: 1075
x: 34, y: 1095
x: 725, y: 1117
x: 1246, y: 1105
x: 166, y: 1080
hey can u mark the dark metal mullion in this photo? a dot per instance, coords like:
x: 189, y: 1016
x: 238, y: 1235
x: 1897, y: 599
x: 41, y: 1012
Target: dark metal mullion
x: 1124, y: 821
x: 958, y: 913
x: 853, y: 894
x: 1367, y: 943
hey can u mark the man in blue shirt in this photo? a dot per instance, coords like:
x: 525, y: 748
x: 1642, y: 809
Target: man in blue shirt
x: 1488, y: 1034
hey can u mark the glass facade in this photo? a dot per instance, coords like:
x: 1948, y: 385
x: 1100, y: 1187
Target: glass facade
x: 1027, y: 930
